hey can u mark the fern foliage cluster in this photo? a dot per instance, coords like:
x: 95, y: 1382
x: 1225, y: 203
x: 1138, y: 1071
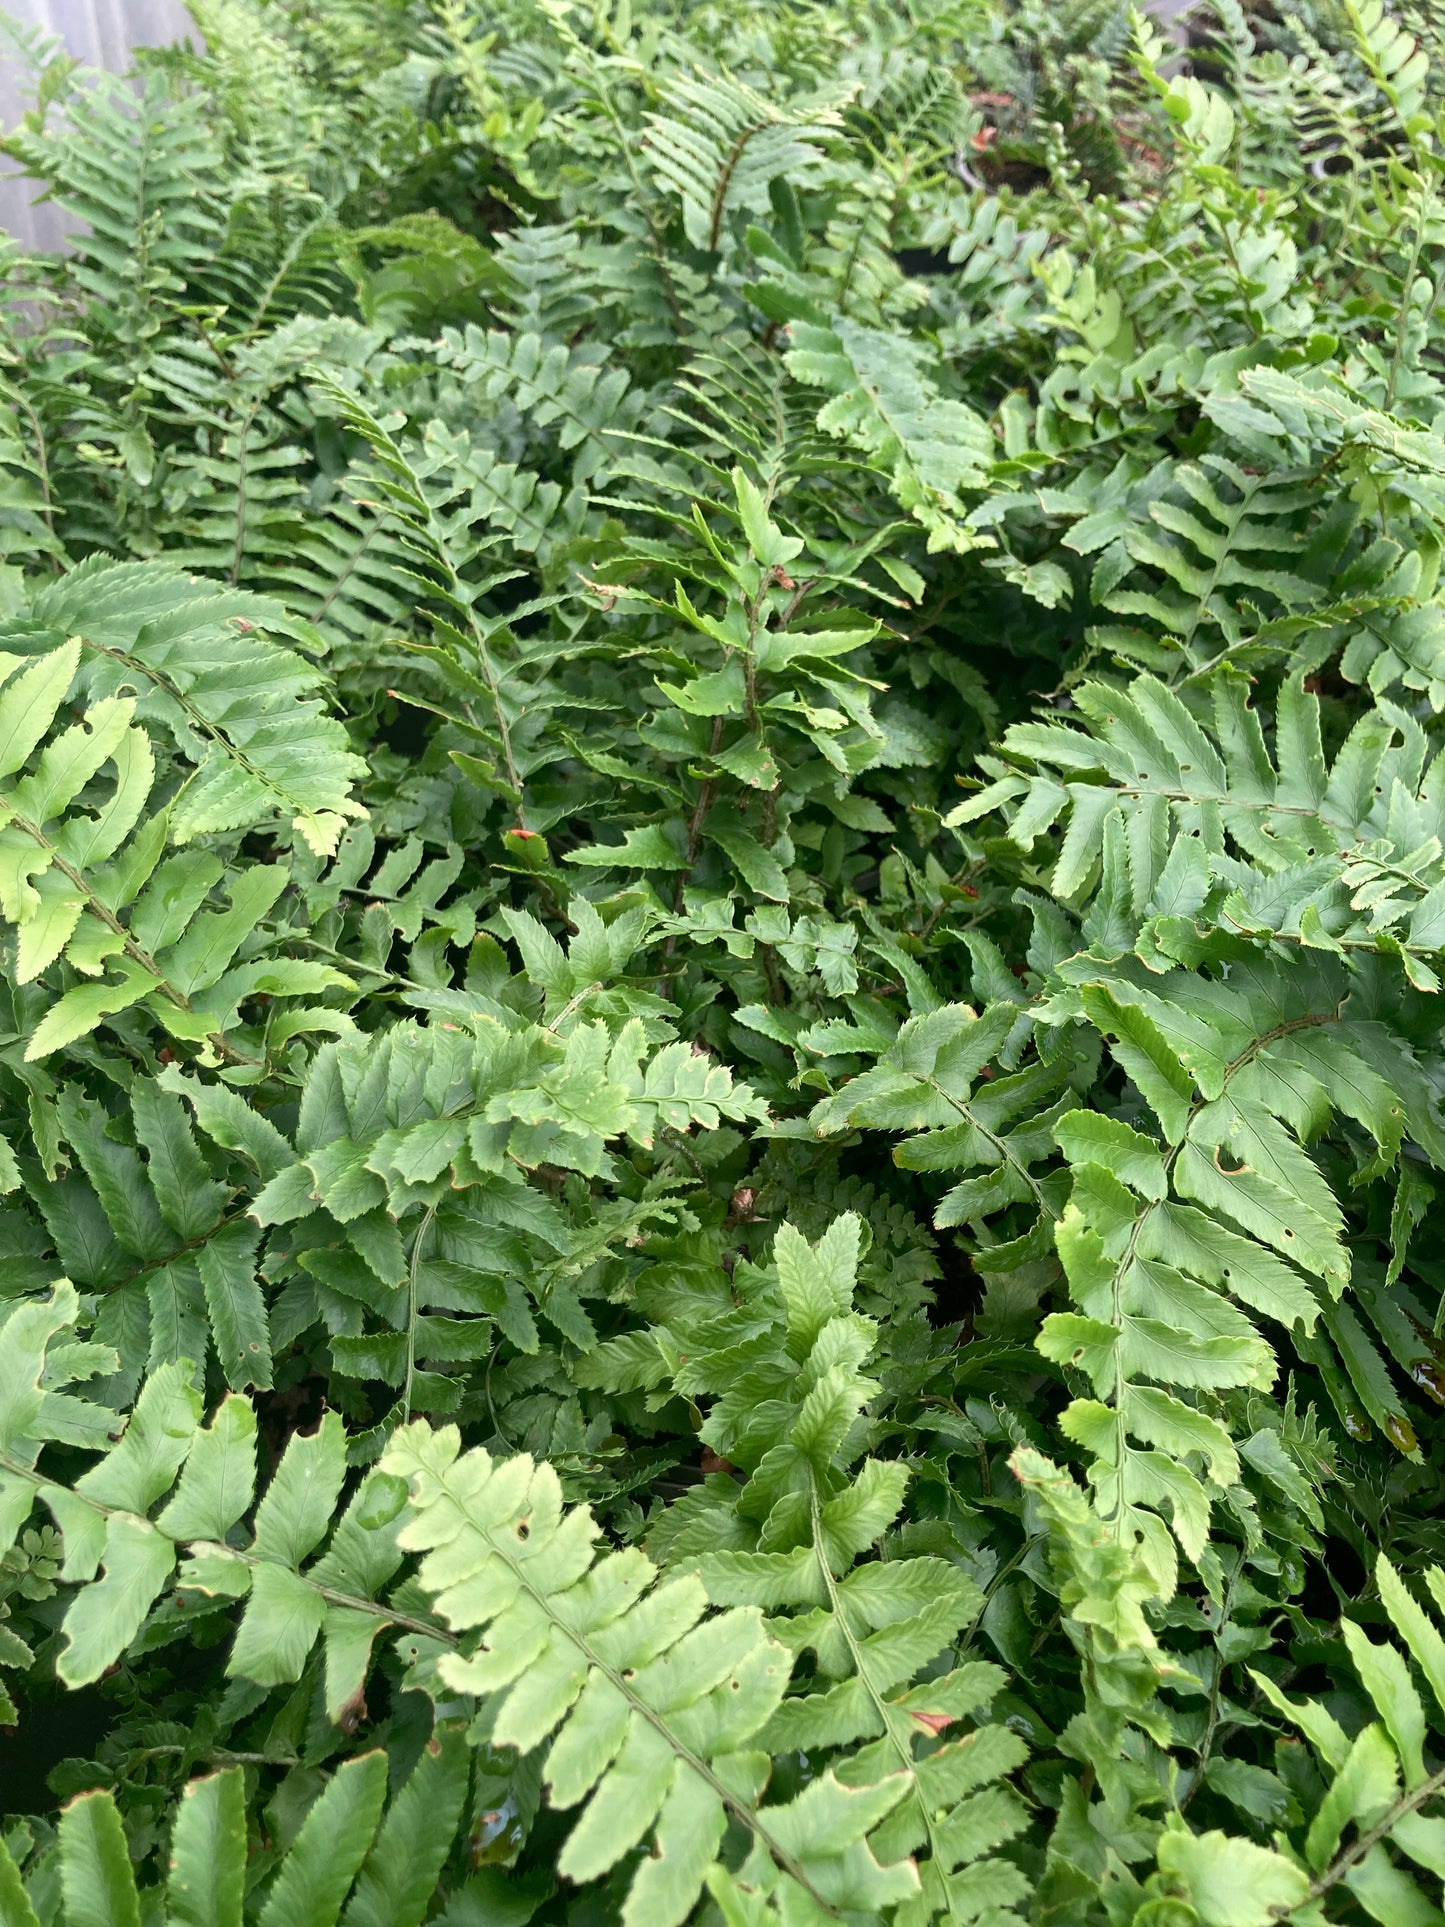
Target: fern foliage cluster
x: 722, y: 970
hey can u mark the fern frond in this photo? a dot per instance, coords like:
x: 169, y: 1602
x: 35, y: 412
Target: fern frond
x: 1192, y: 810
x: 930, y: 450
x: 451, y: 502
x: 207, y: 1478
x: 1375, y: 1829
x: 242, y: 708
x: 90, y: 884
x: 141, y: 169
x: 1397, y: 63
x: 568, y: 392
x: 791, y: 1419
x: 385, y: 1861
x: 719, y: 145
x: 649, y: 1703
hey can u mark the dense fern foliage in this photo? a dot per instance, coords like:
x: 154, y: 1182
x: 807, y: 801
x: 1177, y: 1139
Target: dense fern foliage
x: 722, y: 996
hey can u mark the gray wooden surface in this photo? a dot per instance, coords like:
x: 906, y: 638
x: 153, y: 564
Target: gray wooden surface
x: 99, y: 32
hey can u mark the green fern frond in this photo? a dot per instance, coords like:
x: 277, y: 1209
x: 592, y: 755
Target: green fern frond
x: 930, y: 449
x: 649, y: 1703
x: 94, y: 887
x: 386, y: 1862
x: 141, y: 169
x: 207, y: 1478
x: 240, y: 707
x: 784, y: 1376
x: 1373, y: 1830
x: 575, y: 396
x: 1192, y: 811
x: 719, y: 145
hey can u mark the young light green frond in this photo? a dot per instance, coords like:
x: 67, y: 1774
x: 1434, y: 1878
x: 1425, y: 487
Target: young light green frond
x: 199, y: 1481
x: 236, y: 702
x: 84, y: 880
x: 95, y: 1871
x: 648, y: 1703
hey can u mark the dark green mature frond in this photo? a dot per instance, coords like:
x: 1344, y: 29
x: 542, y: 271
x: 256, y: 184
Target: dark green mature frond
x: 385, y: 1861
x: 142, y: 171
x: 1174, y: 816
x: 718, y: 145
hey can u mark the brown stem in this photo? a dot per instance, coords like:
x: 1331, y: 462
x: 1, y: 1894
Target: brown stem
x: 725, y: 177
x: 770, y: 815
x: 1364, y: 1842
x: 772, y: 973
x: 707, y: 789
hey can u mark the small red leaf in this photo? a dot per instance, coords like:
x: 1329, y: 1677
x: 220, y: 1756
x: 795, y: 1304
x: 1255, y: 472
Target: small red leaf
x: 934, y: 1723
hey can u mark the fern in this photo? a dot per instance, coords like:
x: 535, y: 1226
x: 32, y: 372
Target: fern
x: 1374, y: 1787
x: 207, y: 1476
x: 388, y: 1134
x: 616, y: 1302
x: 720, y: 145
x: 788, y: 1410
x: 237, y: 705
x: 655, y: 1709
x: 1291, y: 850
x: 137, y: 246
x: 930, y: 448
x: 444, y: 501
x: 87, y: 885
x: 583, y: 401
x: 346, y: 1846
